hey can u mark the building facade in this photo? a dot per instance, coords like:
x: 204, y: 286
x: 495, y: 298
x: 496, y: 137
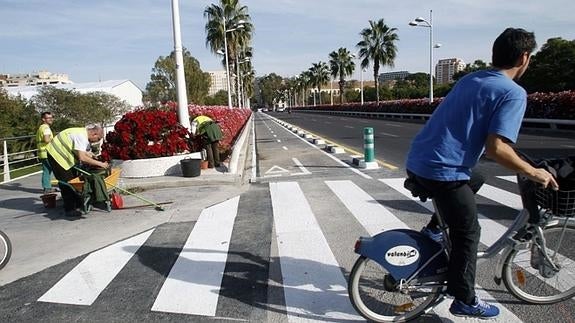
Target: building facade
x: 445, y: 69
x: 218, y: 82
x: 33, y: 79
x: 392, y: 76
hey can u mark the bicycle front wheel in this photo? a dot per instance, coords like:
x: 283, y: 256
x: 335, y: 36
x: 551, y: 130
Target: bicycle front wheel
x: 532, y: 280
x: 5, y: 249
x: 376, y: 296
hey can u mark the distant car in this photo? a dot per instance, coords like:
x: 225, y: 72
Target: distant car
x: 280, y: 109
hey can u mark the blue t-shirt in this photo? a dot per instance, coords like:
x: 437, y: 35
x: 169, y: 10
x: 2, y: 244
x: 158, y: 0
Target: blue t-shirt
x: 453, y: 139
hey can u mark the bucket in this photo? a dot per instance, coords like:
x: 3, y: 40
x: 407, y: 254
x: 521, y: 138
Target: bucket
x: 49, y: 200
x: 190, y: 167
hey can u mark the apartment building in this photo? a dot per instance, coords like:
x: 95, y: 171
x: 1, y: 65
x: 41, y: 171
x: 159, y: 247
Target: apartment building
x: 218, y: 82
x: 33, y: 79
x: 445, y: 69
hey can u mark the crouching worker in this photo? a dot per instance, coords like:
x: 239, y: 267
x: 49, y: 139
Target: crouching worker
x: 67, y: 149
x: 211, y: 135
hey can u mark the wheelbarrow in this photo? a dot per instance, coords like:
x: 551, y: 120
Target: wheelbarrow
x: 111, y: 182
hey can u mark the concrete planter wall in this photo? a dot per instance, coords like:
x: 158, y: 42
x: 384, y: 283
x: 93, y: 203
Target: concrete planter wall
x: 152, y: 167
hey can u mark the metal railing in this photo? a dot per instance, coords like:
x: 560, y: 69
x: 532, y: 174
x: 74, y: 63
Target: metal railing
x: 18, y: 157
x: 552, y: 123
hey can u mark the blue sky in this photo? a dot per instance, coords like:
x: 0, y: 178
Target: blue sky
x: 121, y: 39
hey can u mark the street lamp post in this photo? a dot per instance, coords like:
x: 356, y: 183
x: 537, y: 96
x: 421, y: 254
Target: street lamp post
x: 361, y: 90
x: 183, y: 114
x: 226, y: 31
x: 420, y: 22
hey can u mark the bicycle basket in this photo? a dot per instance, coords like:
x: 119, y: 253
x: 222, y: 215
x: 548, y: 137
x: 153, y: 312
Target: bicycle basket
x: 560, y: 203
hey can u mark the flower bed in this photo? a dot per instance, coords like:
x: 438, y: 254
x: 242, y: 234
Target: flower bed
x: 153, y: 133
x: 539, y: 105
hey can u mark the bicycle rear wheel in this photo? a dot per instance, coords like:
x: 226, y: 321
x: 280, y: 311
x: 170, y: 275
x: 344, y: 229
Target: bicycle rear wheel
x: 5, y: 249
x: 525, y: 277
x: 376, y: 296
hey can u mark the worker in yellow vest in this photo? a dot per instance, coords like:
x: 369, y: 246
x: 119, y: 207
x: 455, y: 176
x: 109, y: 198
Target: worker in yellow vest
x: 68, y: 148
x: 211, y: 135
x: 43, y: 137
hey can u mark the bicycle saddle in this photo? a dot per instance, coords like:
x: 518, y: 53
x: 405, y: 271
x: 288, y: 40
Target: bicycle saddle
x: 416, y: 189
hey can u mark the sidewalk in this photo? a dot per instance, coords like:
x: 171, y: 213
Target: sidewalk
x: 42, y: 237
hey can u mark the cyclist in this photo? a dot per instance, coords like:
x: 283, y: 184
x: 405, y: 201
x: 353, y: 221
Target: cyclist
x: 483, y: 112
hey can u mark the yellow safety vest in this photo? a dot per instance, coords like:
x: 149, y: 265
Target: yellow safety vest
x: 42, y: 154
x: 200, y: 120
x: 61, y: 148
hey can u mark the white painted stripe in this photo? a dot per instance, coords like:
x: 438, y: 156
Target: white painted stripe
x: 368, y: 146
x: 314, y: 286
x: 512, y: 178
x: 349, y: 127
x: 388, y: 134
x: 275, y: 136
x: 501, y: 196
x: 490, y: 230
x: 194, y: 283
x: 355, y: 170
x: 284, y: 148
x: 304, y: 171
x: 279, y: 140
x: 254, y: 157
x: 83, y: 284
x: 373, y: 216
x: 368, y: 136
x: 487, y: 237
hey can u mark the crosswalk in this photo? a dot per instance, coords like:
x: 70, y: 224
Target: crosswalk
x: 313, y: 266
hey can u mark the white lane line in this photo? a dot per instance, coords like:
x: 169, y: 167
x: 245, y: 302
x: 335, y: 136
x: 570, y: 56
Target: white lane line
x: 83, y: 284
x: 304, y: 171
x: 501, y: 196
x: 314, y: 286
x: 486, y: 238
x: 275, y: 136
x: 349, y: 127
x: 373, y: 216
x: 285, y: 148
x: 512, y: 178
x: 568, y: 146
x: 279, y: 140
x: 355, y: 170
x: 194, y: 283
x: 254, y: 157
x: 393, y: 125
x: 388, y: 134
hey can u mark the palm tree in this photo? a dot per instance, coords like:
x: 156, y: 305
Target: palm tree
x: 239, y: 29
x: 319, y: 75
x: 378, y: 46
x: 341, y: 66
x: 305, y: 82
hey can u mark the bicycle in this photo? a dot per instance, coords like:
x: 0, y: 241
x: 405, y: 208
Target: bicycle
x: 5, y: 249
x: 400, y: 274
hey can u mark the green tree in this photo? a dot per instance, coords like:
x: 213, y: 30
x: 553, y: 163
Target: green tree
x: 341, y: 66
x: 268, y: 86
x: 72, y: 108
x: 552, y: 69
x: 162, y: 85
x: 219, y: 98
x: 17, y: 116
x: 319, y: 75
x: 378, y: 46
x: 477, y: 65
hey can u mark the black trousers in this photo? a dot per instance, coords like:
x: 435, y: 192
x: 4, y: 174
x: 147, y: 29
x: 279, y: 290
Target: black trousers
x: 69, y: 197
x: 456, y: 203
x: 212, y: 151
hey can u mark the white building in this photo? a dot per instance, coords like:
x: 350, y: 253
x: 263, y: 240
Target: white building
x: 445, y: 69
x: 32, y: 79
x: 124, y: 89
x: 218, y: 82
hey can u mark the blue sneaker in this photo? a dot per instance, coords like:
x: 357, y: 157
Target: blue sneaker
x: 479, y: 309
x: 435, y: 234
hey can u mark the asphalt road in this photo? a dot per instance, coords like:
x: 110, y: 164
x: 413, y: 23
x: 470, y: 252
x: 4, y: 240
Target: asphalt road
x: 279, y: 250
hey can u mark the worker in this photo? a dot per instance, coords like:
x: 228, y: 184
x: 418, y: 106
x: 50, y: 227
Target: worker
x: 67, y: 149
x: 43, y: 137
x: 211, y: 134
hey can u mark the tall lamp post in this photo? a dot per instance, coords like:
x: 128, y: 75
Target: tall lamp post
x: 183, y: 113
x: 226, y: 31
x: 420, y: 22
